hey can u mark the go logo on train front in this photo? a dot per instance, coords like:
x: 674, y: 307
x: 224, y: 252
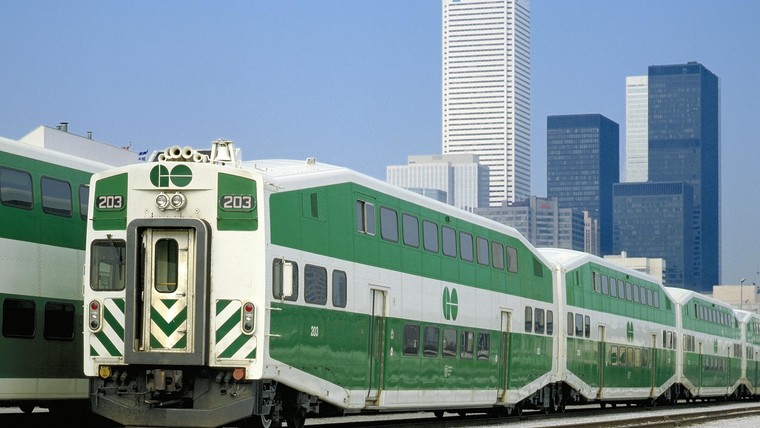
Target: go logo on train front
x: 179, y: 176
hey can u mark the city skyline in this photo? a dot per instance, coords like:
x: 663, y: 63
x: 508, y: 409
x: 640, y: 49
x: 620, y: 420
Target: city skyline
x: 336, y: 79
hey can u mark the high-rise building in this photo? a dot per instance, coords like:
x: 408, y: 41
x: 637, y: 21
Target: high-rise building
x: 636, y: 129
x: 582, y: 164
x: 486, y: 90
x: 684, y: 146
x: 460, y: 177
x: 541, y: 221
x: 655, y: 220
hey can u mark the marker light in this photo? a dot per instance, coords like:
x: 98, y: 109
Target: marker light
x: 94, y: 316
x: 162, y: 201
x: 104, y: 372
x: 248, y: 321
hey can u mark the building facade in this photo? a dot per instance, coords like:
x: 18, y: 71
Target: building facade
x: 636, y: 129
x: 653, y: 267
x: 460, y: 177
x: 486, y: 90
x: 541, y: 221
x: 582, y: 164
x: 684, y: 145
x: 654, y: 220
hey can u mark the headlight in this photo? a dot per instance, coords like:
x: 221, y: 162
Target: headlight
x: 178, y: 201
x: 162, y: 201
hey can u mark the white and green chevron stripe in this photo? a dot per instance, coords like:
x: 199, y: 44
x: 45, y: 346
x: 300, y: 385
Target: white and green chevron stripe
x: 109, y: 341
x: 231, y: 342
x: 168, y: 324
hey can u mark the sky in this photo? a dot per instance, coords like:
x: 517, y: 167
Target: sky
x: 358, y: 83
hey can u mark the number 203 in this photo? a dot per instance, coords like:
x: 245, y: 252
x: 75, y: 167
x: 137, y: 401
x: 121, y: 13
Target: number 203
x: 110, y: 202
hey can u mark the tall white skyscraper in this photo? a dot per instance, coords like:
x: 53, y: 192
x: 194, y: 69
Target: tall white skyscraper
x: 486, y: 90
x: 636, y: 129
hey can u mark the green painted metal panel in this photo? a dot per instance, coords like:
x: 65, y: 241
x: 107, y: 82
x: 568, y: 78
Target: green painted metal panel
x: 113, y: 216
x: 237, y: 203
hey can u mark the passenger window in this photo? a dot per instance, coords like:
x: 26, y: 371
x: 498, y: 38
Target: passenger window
x: 449, y: 343
x: 484, y: 345
x: 56, y: 197
x: 430, y: 236
x: 465, y: 246
x: 277, y: 271
x: 512, y: 264
x: 411, y: 230
x: 411, y: 340
x: 167, y: 267
x: 315, y: 284
x: 605, y: 287
x: 597, y: 282
x: 621, y: 288
x: 432, y: 341
x: 482, y: 251
x: 107, y: 265
x: 613, y: 289
x: 497, y: 253
x: 578, y: 325
x: 621, y: 356
x: 468, y: 344
x: 643, y: 298
x: 59, y: 321
x: 650, y: 298
x: 570, y: 328
x: 539, y: 317
x: 16, y: 188
x: 587, y: 326
x: 657, y: 299
x: 449, y: 236
x: 635, y: 293
x: 528, y: 319
x: 538, y: 268
x: 84, y: 201
x: 18, y: 318
x: 339, y: 289
x: 365, y: 217
x: 613, y: 355
x: 389, y: 224
x: 549, y: 323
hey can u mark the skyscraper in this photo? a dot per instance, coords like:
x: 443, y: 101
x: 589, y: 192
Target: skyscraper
x: 636, y: 129
x: 684, y: 146
x: 582, y: 164
x: 486, y: 90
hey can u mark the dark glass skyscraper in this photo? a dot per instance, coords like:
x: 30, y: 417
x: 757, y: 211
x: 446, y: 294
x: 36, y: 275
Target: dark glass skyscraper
x: 684, y: 146
x: 582, y: 164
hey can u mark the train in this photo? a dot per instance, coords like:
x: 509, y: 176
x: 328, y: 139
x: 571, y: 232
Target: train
x: 219, y: 291
x: 44, y: 198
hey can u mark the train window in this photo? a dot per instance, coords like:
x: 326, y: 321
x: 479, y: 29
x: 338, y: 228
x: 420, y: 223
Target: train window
x: 411, y: 230
x: 637, y: 358
x: 643, y: 298
x: 465, y: 246
x: 538, y: 268
x: 339, y: 289
x: 650, y: 297
x: 613, y: 289
x: 644, y: 357
x: 635, y: 293
x: 482, y: 250
x: 570, y: 328
x: 484, y: 346
x: 578, y: 325
x: 430, y: 236
x: 613, y: 355
x: 56, y: 197
x: 621, y: 288
x: 59, y: 321
x: 597, y: 282
x: 675, y: 340
x: 277, y: 272
x: 468, y: 344
x: 16, y: 188
x: 621, y: 356
x: 528, y: 319
x: 107, y: 265
x: 549, y: 323
x: 18, y: 318
x: 432, y: 341
x: 605, y: 286
x: 365, y: 217
x: 84, y: 201
x: 449, y: 237
x: 389, y: 224
x: 512, y: 264
x: 411, y: 340
x: 539, y: 321
x: 167, y: 267
x: 587, y: 326
x: 657, y: 299
x: 315, y: 284
x: 449, y: 343
x: 497, y: 253
x: 628, y: 293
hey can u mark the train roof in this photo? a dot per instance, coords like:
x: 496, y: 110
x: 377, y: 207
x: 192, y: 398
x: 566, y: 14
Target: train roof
x: 571, y: 259
x: 50, y: 156
x: 682, y: 295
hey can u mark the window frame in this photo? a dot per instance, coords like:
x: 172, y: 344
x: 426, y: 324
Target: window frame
x: 47, y: 208
x: 20, y: 204
x: 314, y: 284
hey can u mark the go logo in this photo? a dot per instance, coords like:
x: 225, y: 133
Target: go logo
x: 450, y: 304
x: 179, y: 176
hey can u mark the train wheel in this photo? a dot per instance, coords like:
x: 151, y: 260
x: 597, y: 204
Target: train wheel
x: 26, y: 408
x: 438, y: 413
x: 296, y: 418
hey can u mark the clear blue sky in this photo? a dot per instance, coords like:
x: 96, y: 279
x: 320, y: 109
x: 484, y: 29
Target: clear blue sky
x: 358, y: 83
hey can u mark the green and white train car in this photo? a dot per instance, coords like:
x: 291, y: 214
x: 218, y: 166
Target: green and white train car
x: 749, y: 324
x: 43, y: 216
x: 217, y: 290
x: 710, y: 357
x: 617, y: 335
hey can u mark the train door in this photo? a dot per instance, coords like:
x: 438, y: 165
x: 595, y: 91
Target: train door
x: 653, y: 365
x: 168, y: 291
x: 506, y: 322
x: 602, y: 358
x: 376, y: 345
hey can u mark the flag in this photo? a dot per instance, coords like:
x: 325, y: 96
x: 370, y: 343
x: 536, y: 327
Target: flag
x: 143, y: 155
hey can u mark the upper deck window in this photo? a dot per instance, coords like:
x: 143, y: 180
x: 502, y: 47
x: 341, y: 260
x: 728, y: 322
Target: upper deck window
x: 365, y: 217
x: 56, y: 197
x: 16, y: 188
